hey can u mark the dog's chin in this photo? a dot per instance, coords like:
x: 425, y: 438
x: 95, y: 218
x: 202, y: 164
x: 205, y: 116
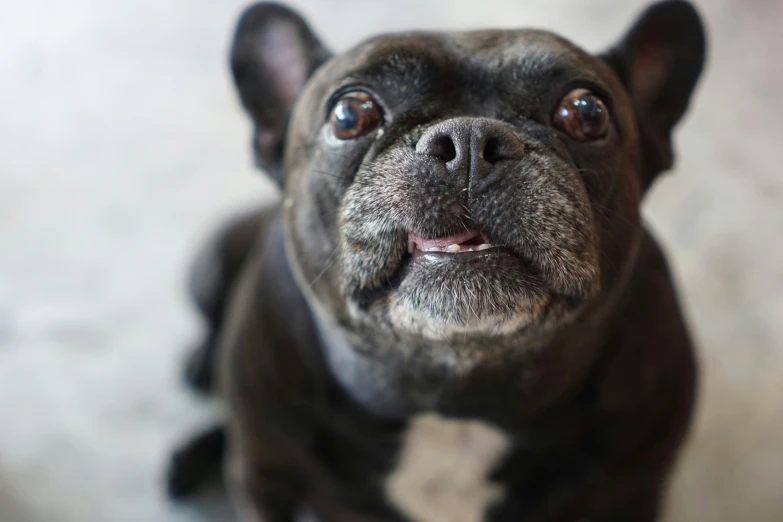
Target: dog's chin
x: 453, y: 296
x: 486, y: 293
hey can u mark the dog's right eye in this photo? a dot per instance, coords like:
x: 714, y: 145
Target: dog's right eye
x: 355, y: 114
x: 582, y: 115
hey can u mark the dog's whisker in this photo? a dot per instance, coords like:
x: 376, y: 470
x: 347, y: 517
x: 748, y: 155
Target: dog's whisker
x: 329, y: 262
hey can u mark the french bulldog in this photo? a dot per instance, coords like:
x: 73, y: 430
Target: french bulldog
x: 455, y: 313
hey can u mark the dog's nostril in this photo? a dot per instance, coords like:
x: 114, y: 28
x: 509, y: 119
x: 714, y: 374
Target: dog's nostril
x: 494, y: 151
x: 442, y: 148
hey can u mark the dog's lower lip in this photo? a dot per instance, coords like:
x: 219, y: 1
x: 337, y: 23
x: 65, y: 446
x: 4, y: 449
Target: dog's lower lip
x: 464, y: 256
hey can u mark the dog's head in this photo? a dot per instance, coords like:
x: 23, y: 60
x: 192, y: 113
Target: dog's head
x: 447, y: 185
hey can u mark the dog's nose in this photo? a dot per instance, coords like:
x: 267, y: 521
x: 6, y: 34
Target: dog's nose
x: 470, y: 145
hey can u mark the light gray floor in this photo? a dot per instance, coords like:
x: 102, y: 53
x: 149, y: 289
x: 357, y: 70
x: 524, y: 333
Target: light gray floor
x: 121, y: 145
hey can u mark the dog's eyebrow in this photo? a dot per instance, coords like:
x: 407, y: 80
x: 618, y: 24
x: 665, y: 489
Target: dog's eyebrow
x: 553, y: 66
x: 417, y: 53
x: 408, y: 69
x: 402, y: 56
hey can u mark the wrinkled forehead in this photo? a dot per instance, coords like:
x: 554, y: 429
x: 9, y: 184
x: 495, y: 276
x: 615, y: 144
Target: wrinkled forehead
x: 416, y: 58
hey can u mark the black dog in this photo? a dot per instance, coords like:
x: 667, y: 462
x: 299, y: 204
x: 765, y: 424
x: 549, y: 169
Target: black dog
x: 455, y: 315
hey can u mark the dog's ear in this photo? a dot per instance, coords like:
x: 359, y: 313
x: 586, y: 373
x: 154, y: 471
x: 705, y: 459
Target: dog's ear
x: 659, y: 61
x: 273, y: 54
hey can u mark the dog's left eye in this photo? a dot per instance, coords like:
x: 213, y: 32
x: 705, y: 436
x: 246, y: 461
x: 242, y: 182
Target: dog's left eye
x: 355, y: 114
x: 582, y: 115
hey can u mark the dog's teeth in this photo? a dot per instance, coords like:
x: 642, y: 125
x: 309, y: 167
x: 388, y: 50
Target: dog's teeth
x: 454, y: 248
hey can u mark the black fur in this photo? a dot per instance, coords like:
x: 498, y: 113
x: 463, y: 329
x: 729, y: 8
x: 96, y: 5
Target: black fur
x: 571, y: 342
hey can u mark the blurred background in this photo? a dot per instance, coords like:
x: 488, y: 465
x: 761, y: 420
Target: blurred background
x: 122, y: 145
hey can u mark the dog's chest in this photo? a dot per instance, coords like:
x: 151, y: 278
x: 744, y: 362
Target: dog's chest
x: 443, y: 468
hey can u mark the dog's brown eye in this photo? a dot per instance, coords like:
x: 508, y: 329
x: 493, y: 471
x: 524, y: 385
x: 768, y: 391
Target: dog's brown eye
x: 355, y: 115
x: 582, y: 115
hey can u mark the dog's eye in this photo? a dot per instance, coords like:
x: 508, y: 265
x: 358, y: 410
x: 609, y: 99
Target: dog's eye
x: 355, y: 115
x: 582, y: 115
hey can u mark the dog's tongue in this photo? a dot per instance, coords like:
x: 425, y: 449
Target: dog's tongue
x: 442, y: 243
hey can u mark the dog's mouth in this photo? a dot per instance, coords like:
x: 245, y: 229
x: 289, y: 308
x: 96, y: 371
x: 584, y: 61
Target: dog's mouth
x: 468, y: 240
x: 461, y: 282
x: 469, y: 281
x: 468, y: 245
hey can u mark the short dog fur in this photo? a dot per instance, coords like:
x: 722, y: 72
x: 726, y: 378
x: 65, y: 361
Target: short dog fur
x: 536, y: 369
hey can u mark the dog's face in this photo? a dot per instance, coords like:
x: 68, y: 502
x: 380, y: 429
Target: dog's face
x: 461, y: 176
x: 451, y: 185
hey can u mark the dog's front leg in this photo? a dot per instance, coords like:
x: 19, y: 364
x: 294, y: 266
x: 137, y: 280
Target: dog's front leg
x: 259, y: 494
x: 270, y: 390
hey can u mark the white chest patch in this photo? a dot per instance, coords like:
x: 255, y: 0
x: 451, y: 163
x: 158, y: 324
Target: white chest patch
x: 441, y: 474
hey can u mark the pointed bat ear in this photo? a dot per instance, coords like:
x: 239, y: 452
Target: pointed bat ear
x: 659, y: 61
x: 274, y: 53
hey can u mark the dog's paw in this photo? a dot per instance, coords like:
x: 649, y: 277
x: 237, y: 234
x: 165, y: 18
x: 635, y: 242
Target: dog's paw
x: 195, y: 463
x: 181, y: 482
